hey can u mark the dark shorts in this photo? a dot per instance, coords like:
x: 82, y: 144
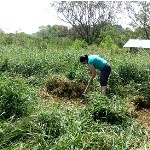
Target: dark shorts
x: 104, y: 75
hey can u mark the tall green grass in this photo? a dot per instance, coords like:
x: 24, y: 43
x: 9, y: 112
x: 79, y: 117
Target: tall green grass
x: 98, y: 123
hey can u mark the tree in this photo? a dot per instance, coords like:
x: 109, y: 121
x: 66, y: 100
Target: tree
x: 48, y: 32
x: 139, y: 13
x: 86, y: 17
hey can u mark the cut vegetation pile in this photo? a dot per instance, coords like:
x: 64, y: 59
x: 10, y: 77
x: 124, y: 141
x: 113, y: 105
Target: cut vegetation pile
x: 140, y: 102
x: 64, y: 88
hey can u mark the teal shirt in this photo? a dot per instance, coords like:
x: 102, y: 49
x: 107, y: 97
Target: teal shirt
x: 96, y: 61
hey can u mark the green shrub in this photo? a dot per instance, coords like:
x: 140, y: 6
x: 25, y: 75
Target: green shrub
x: 144, y: 74
x: 4, y: 65
x: 128, y: 80
x: 81, y: 77
x: 102, y: 110
x: 27, y: 69
x: 113, y: 83
x: 143, y: 89
x: 12, y: 132
x: 14, y: 96
x: 108, y: 43
x: 106, y: 115
x: 49, y: 125
x: 1, y: 132
x: 128, y: 72
x: 71, y: 75
x: 85, y: 141
x: 41, y: 129
x: 64, y: 42
x: 79, y: 44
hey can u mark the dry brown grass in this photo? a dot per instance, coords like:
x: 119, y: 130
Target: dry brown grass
x: 140, y: 102
x: 64, y: 88
x: 66, y: 103
x: 144, y: 117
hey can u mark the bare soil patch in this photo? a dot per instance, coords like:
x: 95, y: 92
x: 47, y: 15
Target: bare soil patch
x: 142, y: 110
x: 67, y: 103
x: 144, y: 117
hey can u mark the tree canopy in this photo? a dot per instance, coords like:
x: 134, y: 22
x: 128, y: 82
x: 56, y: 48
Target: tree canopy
x: 86, y: 17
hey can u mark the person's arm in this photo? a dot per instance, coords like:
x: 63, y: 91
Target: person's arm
x: 93, y: 74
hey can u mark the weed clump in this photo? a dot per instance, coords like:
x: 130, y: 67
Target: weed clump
x: 42, y: 128
x: 144, y: 90
x: 14, y: 98
x: 50, y: 125
x: 4, y: 65
x: 128, y: 72
x: 106, y: 115
x: 64, y: 88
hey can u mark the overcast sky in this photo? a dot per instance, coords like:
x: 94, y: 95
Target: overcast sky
x: 26, y: 15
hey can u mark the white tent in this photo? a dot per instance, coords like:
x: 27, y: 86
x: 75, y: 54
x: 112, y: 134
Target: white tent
x: 137, y: 43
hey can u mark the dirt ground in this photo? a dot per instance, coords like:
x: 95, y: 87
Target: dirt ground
x: 144, y: 117
x: 66, y: 102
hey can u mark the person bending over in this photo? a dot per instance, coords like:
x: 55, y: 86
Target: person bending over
x: 96, y: 62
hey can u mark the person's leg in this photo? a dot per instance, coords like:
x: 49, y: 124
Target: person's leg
x: 103, y: 89
x: 104, y: 75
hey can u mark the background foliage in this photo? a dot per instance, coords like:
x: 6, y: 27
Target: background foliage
x: 32, y: 119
